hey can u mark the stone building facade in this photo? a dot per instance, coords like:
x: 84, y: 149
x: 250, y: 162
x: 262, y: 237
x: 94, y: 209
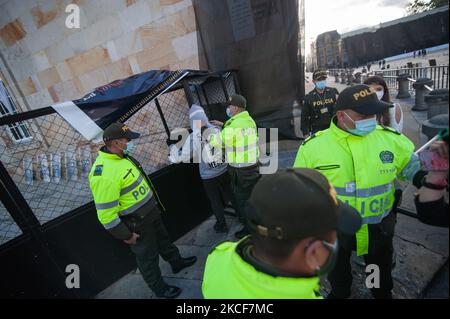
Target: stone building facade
x: 45, y: 62
x: 328, y: 50
x: 362, y: 46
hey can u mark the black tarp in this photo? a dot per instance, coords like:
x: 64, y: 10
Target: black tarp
x: 424, y: 32
x: 116, y: 101
x: 262, y: 40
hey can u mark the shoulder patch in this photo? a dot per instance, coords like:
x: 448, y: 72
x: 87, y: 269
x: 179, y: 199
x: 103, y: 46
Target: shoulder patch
x: 389, y: 129
x: 98, y: 170
x: 224, y: 245
x: 228, y: 123
x: 309, y: 138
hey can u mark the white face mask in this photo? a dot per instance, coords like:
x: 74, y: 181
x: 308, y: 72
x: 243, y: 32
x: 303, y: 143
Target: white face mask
x: 380, y: 94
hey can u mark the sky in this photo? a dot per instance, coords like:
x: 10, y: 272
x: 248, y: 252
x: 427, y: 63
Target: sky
x: 347, y: 15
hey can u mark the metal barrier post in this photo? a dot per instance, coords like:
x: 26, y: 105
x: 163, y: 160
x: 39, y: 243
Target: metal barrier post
x: 422, y: 86
x: 437, y: 102
x: 403, y: 86
x: 349, y: 77
x: 432, y: 126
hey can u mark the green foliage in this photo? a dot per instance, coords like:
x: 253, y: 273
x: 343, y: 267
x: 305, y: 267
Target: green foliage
x: 417, y: 6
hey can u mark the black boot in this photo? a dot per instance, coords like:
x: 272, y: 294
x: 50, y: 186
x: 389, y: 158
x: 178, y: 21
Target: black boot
x: 241, y: 233
x: 182, y: 263
x: 170, y: 292
x: 221, y: 228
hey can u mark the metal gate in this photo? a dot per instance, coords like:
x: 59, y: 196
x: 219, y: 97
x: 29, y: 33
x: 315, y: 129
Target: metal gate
x: 48, y: 220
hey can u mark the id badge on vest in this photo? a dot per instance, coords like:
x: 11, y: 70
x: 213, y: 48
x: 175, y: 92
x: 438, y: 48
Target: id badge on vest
x: 350, y: 187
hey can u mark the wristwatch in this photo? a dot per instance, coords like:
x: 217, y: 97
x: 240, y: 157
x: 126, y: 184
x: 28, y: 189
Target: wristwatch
x: 439, y: 186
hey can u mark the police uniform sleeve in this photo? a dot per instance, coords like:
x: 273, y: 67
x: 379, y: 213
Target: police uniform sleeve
x: 106, y: 198
x: 301, y: 160
x: 223, y: 139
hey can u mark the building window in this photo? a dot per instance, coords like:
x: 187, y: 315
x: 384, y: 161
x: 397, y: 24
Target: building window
x: 18, y: 131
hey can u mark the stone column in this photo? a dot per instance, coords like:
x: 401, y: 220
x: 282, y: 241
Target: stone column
x: 432, y: 126
x: 437, y: 102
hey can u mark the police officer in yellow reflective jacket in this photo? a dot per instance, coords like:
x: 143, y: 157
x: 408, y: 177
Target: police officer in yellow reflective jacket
x: 127, y: 206
x: 293, y: 216
x: 362, y: 161
x: 239, y: 139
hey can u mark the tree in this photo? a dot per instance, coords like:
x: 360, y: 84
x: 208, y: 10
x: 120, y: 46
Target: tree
x: 417, y: 6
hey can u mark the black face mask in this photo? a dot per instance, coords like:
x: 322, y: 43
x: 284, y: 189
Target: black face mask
x: 331, y: 261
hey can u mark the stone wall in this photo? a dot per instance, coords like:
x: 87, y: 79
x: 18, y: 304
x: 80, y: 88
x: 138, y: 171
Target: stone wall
x: 116, y: 39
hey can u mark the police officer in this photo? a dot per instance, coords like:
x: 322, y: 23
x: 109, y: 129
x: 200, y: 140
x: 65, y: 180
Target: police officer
x: 239, y: 139
x: 293, y: 216
x: 127, y: 206
x: 362, y: 160
x: 318, y: 106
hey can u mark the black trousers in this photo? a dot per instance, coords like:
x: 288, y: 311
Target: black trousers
x: 218, y: 190
x: 153, y: 242
x: 380, y: 253
x: 243, y: 180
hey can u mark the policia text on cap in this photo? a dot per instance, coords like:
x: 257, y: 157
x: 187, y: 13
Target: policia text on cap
x: 127, y: 206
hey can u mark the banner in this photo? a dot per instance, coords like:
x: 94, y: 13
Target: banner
x: 116, y: 101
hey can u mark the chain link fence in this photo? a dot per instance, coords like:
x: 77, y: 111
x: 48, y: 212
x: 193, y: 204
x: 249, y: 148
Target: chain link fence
x: 8, y: 228
x: 51, y: 166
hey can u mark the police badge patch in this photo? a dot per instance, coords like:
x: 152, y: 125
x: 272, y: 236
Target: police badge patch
x: 98, y: 170
x: 387, y: 157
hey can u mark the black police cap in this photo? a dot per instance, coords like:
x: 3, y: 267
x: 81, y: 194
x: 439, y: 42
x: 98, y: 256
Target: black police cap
x: 119, y: 130
x: 296, y: 204
x: 362, y: 99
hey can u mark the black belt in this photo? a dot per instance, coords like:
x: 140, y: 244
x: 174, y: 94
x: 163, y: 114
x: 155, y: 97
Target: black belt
x: 141, y: 212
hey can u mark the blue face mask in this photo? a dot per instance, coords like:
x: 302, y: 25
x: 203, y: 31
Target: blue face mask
x: 362, y: 127
x: 321, y: 85
x: 129, y: 149
x: 229, y: 114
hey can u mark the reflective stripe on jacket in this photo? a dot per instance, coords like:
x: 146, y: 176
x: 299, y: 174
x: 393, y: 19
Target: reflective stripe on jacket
x: 239, y: 138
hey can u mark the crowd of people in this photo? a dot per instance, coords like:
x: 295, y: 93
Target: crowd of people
x: 298, y: 224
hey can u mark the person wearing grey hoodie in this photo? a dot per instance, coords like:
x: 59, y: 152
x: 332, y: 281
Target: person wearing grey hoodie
x: 212, y: 164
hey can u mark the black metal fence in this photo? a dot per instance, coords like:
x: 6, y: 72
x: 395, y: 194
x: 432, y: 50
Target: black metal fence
x: 439, y: 75
x: 50, y: 169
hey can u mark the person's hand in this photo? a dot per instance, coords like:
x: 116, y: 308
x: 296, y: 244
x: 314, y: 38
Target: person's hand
x: 173, y: 142
x: 132, y: 241
x: 216, y: 123
x: 440, y: 148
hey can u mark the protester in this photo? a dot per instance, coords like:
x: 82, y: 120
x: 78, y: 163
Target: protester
x: 212, y: 166
x: 392, y: 117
